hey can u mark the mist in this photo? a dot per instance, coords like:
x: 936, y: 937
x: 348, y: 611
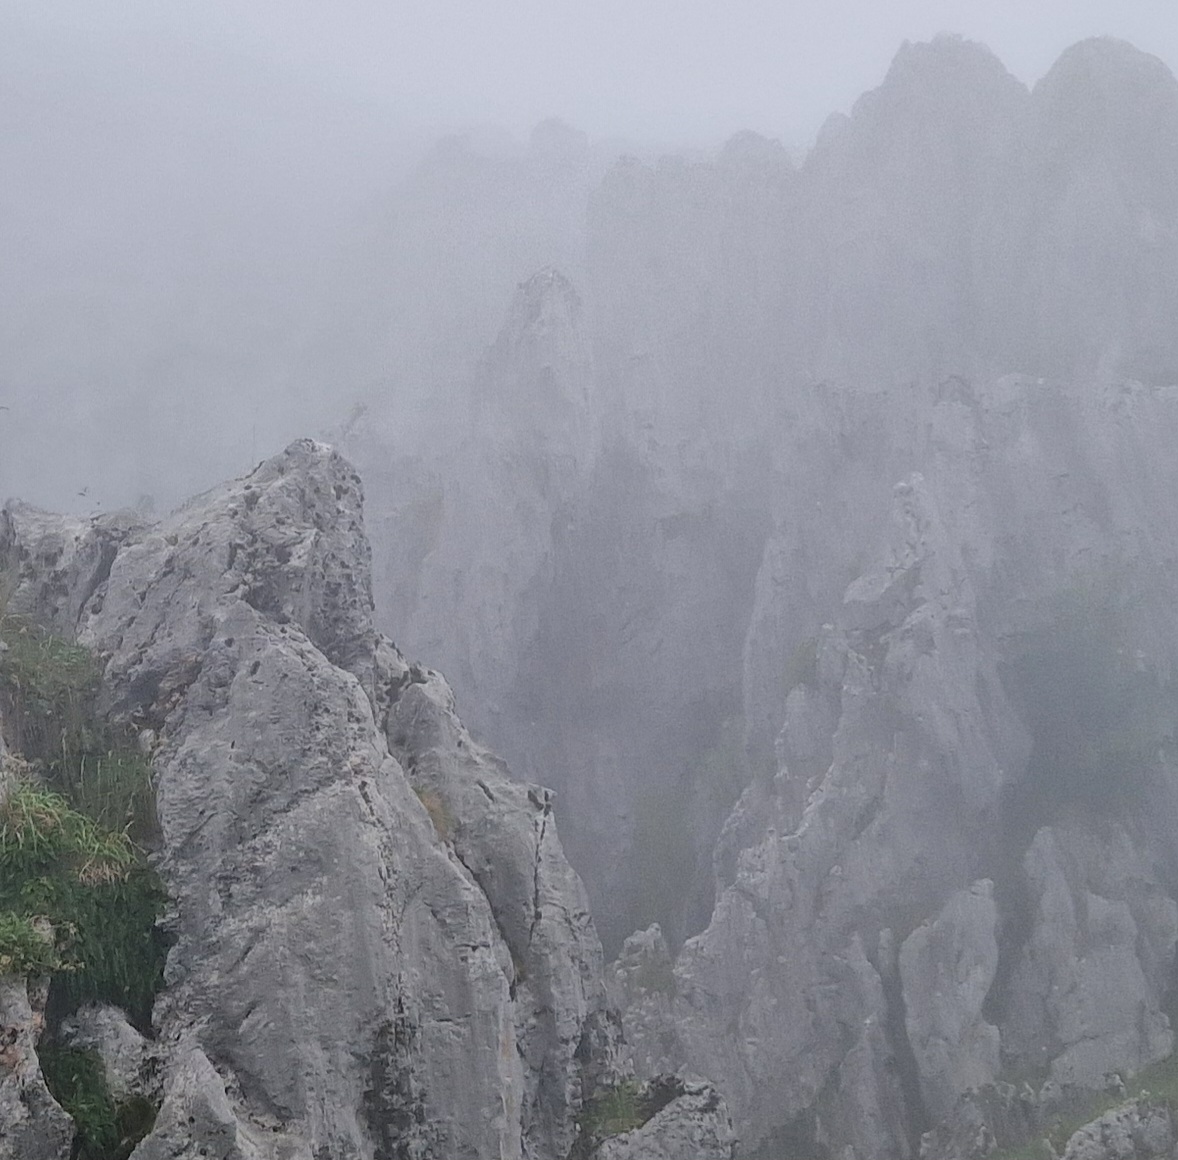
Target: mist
x: 226, y: 226
x: 608, y: 570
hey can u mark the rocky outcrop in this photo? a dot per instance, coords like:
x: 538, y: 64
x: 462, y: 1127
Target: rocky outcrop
x: 32, y: 1124
x: 1086, y: 998
x: 379, y: 947
x: 692, y: 1122
x: 991, y: 703
x: 947, y: 967
x: 801, y: 954
x: 130, y: 1061
x: 589, y: 617
x: 1139, y: 1130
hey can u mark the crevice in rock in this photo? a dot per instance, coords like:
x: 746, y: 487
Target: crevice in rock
x: 543, y: 829
x: 106, y: 560
x: 1017, y: 826
x: 917, y: 1119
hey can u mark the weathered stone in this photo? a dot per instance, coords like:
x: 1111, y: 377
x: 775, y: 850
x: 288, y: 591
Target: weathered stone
x: 1139, y: 1130
x: 350, y: 969
x: 795, y: 966
x: 947, y: 966
x: 130, y: 1061
x: 197, y: 1119
x: 504, y: 834
x: 33, y: 1126
x: 1087, y: 993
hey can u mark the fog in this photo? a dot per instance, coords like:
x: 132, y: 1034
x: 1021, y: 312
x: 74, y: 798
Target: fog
x: 219, y: 231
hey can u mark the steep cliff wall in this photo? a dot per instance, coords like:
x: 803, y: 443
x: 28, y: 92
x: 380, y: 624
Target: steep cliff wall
x: 764, y: 350
x: 379, y: 948
x: 958, y: 872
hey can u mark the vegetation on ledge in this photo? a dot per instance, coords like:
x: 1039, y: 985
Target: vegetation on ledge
x: 74, y: 830
x: 107, y: 1129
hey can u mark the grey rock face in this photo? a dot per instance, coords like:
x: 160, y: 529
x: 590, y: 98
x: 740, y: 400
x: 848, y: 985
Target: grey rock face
x: 32, y: 1124
x: 544, y: 564
x: 504, y: 835
x: 348, y: 977
x: 1139, y: 1130
x: 800, y: 957
x: 944, y: 756
x: 643, y: 985
x: 946, y: 969
x: 197, y: 1119
x: 1087, y: 993
x: 130, y: 1061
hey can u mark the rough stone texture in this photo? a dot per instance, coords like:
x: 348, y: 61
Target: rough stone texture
x: 32, y: 1124
x: 342, y: 982
x: 54, y: 564
x: 800, y: 958
x: 196, y: 1118
x: 947, y: 966
x: 938, y: 770
x: 694, y: 1125
x: 504, y: 834
x: 1139, y: 1130
x: 130, y: 1060
x: 1087, y: 993
x: 642, y: 983
x: 584, y: 595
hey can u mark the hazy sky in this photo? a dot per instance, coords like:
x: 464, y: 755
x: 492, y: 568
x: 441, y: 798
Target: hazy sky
x: 671, y: 70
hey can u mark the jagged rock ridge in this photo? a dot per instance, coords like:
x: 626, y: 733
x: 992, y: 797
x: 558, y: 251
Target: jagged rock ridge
x: 380, y: 950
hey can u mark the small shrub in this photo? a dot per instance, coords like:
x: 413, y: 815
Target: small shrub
x: 622, y: 1108
x: 657, y: 975
x: 1158, y: 1083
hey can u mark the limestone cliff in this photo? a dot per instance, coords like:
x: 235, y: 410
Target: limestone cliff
x: 379, y: 948
x: 959, y: 870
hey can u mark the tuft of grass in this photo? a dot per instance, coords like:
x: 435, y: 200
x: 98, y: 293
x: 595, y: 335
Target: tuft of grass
x: 616, y: 1110
x: 49, y: 684
x: 25, y: 948
x: 41, y: 835
x: 105, y: 1129
x: 114, y: 788
x: 621, y: 1108
x: 93, y: 888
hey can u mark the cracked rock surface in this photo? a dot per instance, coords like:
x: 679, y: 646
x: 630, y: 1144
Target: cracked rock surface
x: 380, y: 949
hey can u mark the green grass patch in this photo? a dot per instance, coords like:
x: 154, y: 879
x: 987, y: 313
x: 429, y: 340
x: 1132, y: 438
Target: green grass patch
x: 618, y: 1109
x: 95, y: 889
x: 621, y: 1108
x: 74, y: 831
x: 106, y: 1129
x: 25, y: 949
x: 49, y: 685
